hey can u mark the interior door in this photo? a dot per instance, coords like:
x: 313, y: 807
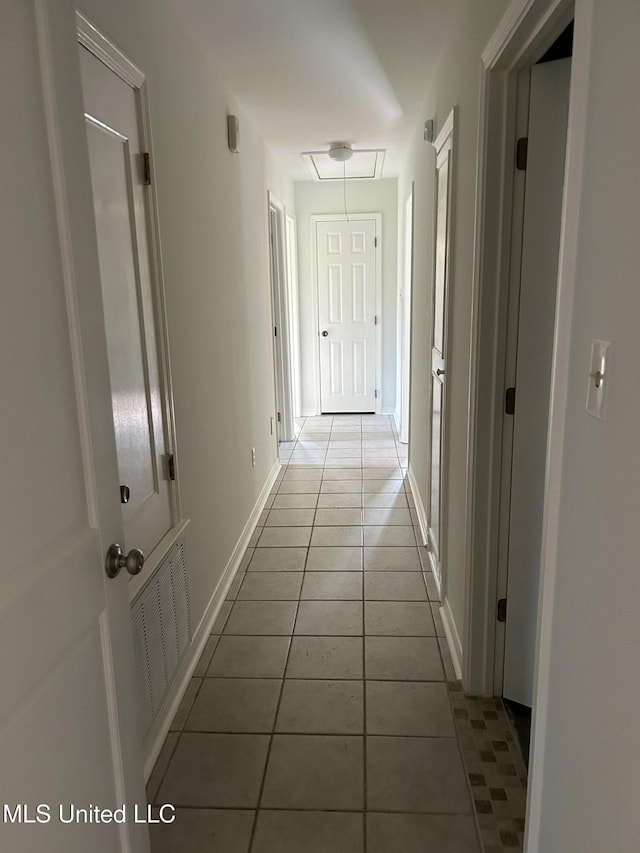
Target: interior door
x: 444, y: 148
x: 117, y: 176
x: 281, y: 326
x: 347, y: 315
x: 68, y: 732
x: 547, y: 135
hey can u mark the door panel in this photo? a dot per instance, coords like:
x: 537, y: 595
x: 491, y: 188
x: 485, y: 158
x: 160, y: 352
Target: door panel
x: 114, y: 138
x: 444, y: 148
x: 548, y: 113
x: 66, y: 734
x: 346, y: 311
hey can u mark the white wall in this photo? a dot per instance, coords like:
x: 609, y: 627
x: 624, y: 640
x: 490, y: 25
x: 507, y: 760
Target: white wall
x: 362, y: 197
x: 455, y: 83
x: 213, y: 224
x: 584, y: 783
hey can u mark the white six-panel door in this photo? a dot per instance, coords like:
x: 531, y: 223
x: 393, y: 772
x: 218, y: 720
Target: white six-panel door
x: 347, y: 315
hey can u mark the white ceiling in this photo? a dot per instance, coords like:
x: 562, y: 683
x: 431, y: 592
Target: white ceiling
x: 311, y: 72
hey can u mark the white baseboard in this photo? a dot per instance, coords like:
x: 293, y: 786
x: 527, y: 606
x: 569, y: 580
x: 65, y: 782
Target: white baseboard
x: 396, y: 420
x: 420, y: 509
x: 453, y: 638
x: 160, y: 728
x: 388, y: 410
x: 309, y: 413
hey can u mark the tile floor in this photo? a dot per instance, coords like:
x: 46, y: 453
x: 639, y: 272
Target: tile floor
x: 319, y: 718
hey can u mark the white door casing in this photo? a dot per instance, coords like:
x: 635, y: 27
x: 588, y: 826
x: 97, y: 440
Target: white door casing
x: 347, y: 315
x: 68, y: 710
x: 439, y: 335
x: 115, y: 139
x: 547, y: 138
x: 405, y: 309
x: 280, y: 306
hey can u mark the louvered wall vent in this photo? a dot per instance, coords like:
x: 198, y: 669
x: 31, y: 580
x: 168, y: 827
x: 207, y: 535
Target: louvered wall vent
x: 161, y: 631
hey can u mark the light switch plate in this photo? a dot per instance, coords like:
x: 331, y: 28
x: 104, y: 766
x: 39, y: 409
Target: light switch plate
x: 599, y: 378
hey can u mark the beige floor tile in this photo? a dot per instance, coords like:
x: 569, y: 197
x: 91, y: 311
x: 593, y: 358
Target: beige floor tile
x: 329, y: 618
x: 413, y: 833
x: 278, y: 560
x: 334, y: 559
x: 390, y: 516
x: 389, y: 536
x: 284, y: 537
x: 403, y: 659
x: 249, y: 657
x: 194, y: 829
x: 308, y: 832
x: 391, y: 559
x: 265, y: 586
x: 413, y: 708
x: 416, y: 775
x: 338, y: 501
x: 290, y: 517
x: 261, y: 617
x: 338, y: 517
x: 325, y: 657
x: 321, y: 707
x: 235, y: 705
x: 399, y: 619
x: 214, y: 770
x: 332, y: 536
x: 327, y: 586
x: 394, y: 586
x: 314, y: 772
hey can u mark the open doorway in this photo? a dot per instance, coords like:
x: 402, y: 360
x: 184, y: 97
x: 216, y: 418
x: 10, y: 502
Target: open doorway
x: 541, y: 140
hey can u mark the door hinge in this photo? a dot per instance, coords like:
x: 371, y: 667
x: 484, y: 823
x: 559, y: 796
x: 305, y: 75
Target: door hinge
x: 375, y: 319
x: 510, y: 401
x: 375, y: 242
x: 275, y: 331
x: 279, y: 418
x: 522, y: 146
x: 146, y: 168
x: 502, y: 610
x: 171, y: 466
x: 375, y: 394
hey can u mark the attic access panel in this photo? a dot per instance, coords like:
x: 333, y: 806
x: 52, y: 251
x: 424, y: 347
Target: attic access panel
x: 363, y: 165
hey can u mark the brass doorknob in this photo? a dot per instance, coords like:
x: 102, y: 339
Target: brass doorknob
x: 116, y: 560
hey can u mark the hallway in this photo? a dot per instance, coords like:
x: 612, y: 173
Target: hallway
x: 336, y: 560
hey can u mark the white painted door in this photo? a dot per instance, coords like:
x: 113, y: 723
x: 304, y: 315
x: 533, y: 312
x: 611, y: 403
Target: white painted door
x: 347, y: 315
x: 68, y: 713
x: 548, y: 113
x: 440, y: 306
x: 117, y: 175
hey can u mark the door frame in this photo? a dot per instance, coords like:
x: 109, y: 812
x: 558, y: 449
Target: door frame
x: 315, y: 329
x: 90, y: 37
x: 405, y: 320
x: 281, y: 319
x: 291, y: 252
x: 525, y: 31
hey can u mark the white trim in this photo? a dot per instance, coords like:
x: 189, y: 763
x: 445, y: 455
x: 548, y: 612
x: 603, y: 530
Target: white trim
x: 291, y: 252
x: 339, y: 217
x: 446, y: 131
x: 526, y: 28
x: 104, y: 49
x: 396, y: 420
x: 160, y: 729
x: 405, y: 322
x: 389, y: 410
x: 420, y: 509
x: 309, y: 413
x: 280, y: 318
x: 452, y: 636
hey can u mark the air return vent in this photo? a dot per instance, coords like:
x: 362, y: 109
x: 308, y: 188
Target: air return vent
x: 161, y: 631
